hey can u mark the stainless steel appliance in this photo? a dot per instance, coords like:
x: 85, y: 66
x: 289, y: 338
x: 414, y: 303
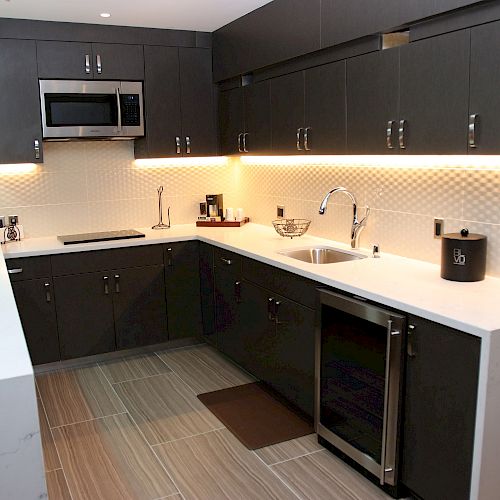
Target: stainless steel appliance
x: 215, y: 205
x: 359, y: 360
x: 74, y: 109
x: 124, y: 234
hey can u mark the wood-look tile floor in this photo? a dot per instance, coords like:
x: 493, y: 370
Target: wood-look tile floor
x: 134, y: 429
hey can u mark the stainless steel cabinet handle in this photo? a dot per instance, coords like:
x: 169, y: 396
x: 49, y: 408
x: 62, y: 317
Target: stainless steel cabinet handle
x: 299, y: 141
x: 169, y: 257
x: 402, y: 130
x: 226, y: 261
x: 412, y: 353
x: 237, y: 291
x: 178, y: 145
x: 99, y: 64
x: 106, y: 285
x: 306, y: 138
x: 15, y: 271
x: 390, y: 125
x: 240, y: 142
x: 188, y: 145
x: 245, y: 135
x: 87, y: 64
x: 270, y: 308
x: 117, y: 283
x: 119, y: 109
x: 36, y: 147
x: 472, y: 130
x: 48, y: 297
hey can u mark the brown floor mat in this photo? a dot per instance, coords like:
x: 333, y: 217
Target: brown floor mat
x: 255, y: 416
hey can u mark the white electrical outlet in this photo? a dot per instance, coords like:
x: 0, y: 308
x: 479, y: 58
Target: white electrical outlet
x: 280, y: 211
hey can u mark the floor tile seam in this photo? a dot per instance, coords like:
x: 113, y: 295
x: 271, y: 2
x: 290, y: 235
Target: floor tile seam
x: 295, y: 458
x: 184, y: 382
x: 188, y: 437
x: 279, y: 478
x: 138, y: 378
x: 88, y: 420
x: 52, y: 470
x: 55, y: 446
x: 162, y: 465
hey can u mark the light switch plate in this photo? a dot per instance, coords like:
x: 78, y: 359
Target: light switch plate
x: 438, y: 228
x: 280, y: 211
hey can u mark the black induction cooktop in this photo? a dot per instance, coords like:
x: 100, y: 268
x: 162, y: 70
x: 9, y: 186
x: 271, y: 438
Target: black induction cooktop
x: 124, y: 234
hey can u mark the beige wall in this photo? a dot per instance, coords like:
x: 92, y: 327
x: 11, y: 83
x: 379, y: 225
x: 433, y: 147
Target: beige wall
x: 86, y: 186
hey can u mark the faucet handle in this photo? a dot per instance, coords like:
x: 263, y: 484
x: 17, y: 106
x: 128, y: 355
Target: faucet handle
x: 365, y: 218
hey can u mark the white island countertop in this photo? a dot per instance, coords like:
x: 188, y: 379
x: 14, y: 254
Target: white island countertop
x: 409, y: 285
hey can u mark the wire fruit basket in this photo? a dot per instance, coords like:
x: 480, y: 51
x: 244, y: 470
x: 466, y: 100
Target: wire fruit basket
x: 290, y: 228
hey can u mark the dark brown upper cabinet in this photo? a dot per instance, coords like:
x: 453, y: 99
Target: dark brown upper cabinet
x: 277, y: 31
x: 20, y: 124
x: 308, y: 111
x: 484, y: 106
x: 178, y: 102
x: 99, y: 61
x: 245, y: 120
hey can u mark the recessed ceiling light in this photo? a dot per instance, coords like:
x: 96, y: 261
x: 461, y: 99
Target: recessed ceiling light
x: 105, y: 14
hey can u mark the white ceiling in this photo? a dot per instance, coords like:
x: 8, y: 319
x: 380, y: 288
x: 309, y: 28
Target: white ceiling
x: 199, y: 15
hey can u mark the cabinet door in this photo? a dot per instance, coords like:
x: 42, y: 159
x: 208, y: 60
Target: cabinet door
x: 484, y: 84
x: 258, y: 118
x: 413, y: 11
x: 207, y: 292
x: 197, y: 102
x: 227, y: 320
x: 440, y: 408
x: 71, y: 60
x: 325, y: 108
x: 182, y: 283
x: 287, y: 112
x: 114, y: 61
x: 161, y: 103
x: 140, y: 310
x: 372, y: 102
x: 231, y: 121
x: 84, y: 314
x: 434, y: 94
x: 35, y: 303
x: 20, y: 123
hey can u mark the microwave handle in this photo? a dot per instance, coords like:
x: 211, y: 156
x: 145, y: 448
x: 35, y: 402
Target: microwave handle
x: 119, y: 109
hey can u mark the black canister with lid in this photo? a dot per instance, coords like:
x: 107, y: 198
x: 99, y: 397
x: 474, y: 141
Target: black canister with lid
x: 463, y: 256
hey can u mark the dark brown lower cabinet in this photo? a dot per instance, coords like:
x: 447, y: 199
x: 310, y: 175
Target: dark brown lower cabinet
x: 139, y: 306
x: 85, y: 314
x: 35, y: 303
x: 207, y: 293
x: 440, y: 410
x: 182, y: 283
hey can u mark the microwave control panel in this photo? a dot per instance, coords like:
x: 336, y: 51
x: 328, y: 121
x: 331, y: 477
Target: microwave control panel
x: 131, y: 113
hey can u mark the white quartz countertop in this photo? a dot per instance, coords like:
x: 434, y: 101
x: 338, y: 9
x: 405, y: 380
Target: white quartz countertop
x: 409, y: 285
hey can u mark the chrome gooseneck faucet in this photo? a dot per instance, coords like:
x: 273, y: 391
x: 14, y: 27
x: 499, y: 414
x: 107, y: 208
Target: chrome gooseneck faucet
x: 357, y: 226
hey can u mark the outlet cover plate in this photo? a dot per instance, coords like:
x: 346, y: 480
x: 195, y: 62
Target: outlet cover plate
x: 280, y: 211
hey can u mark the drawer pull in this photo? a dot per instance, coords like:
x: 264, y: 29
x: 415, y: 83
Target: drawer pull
x: 48, y: 296
x: 106, y: 285
x: 226, y: 261
x: 15, y: 271
x: 117, y: 283
x: 237, y: 291
x: 169, y: 257
x: 270, y: 308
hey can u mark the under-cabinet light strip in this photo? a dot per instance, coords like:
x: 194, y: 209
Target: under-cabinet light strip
x: 18, y: 168
x: 218, y: 161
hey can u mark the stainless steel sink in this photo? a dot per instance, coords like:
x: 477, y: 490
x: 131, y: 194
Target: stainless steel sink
x: 321, y: 255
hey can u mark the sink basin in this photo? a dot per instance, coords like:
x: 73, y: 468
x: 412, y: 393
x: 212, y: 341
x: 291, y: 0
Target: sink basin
x: 321, y: 255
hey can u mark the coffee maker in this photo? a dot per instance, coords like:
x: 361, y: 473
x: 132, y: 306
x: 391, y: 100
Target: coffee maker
x: 215, y: 206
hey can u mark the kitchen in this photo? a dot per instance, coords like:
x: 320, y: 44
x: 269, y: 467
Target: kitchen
x: 275, y: 108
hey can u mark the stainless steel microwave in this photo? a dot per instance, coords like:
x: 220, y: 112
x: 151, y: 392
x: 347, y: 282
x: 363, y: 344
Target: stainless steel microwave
x: 79, y: 109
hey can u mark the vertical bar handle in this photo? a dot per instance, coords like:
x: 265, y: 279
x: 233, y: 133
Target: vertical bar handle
x: 388, y: 136
x: 119, y: 109
x: 170, y: 261
x: 106, y: 285
x: 472, y: 130
x: 412, y: 353
x: 178, y: 145
x: 48, y: 296
x: 188, y: 145
x: 299, y: 137
x: 99, y: 64
x: 87, y: 64
x: 237, y: 291
x: 36, y: 148
x: 117, y: 283
x: 240, y: 139
x: 306, y: 138
x: 270, y: 308
x: 245, y: 135
x: 402, y: 131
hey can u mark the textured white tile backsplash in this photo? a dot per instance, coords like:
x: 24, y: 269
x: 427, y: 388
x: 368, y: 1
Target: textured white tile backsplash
x: 86, y: 186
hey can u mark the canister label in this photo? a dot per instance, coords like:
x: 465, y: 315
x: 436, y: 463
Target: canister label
x: 459, y: 258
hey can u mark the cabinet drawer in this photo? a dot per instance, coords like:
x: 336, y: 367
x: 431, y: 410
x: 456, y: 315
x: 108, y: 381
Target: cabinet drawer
x: 100, y: 260
x: 227, y: 260
x: 27, y: 268
x: 289, y: 285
